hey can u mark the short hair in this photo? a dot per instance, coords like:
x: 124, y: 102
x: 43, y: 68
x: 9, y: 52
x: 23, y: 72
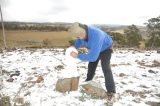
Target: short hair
x: 76, y: 29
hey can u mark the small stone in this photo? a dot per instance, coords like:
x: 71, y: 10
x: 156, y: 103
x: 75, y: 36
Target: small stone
x: 10, y: 79
x: 15, y: 74
x: 59, y: 67
x: 39, y: 79
x: 151, y: 71
x: 122, y: 75
x: 144, y: 75
x: 158, y: 51
x: 124, y: 83
x: 137, y: 100
x: 158, y: 95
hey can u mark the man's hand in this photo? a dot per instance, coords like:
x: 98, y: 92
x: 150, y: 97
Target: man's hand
x: 74, y: 54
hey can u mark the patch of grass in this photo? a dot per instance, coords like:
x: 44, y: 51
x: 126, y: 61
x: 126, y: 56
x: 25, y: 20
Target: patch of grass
x: 23, y: 38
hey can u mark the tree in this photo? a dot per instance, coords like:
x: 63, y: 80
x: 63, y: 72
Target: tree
x: 133, y: 36
x: 118, y: 38
x: 153, y: 28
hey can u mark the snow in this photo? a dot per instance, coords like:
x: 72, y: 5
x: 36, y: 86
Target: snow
x: 135, y: 73
x: 70, y: 70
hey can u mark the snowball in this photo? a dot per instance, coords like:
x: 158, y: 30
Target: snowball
x: 70, y: 70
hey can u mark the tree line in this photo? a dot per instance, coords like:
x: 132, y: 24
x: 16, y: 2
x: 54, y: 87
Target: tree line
x: 34, y: 26
x: 132, y: 36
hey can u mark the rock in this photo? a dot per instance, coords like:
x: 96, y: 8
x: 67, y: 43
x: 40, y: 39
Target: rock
x: 158, y: 51
x: 17, y: 73
x: 5, y: 101
x: 136, y: 93
x: 1, y: 83
x: 10, y: 79
x: 158, y: 95
x: 27, y: 93
x: 63, y: 85
x: 94, y: 89
x: 1, y: 50
x: 144, y: 75
x: 10, y: 49
x: 19, y: 101
x: 27, y: 103
x: 59, y: 67
x: 5, y: 72
x: 39, y: 79
x: 137, y: 100
x: 123, y: 83
x: 143, y: 86
x: 153, y: 103
x: 156, y: 63
x: 67, y: 84
x: 151, y: 71
x: 147, y: 55
x: 122, y: 75
x: 74, y: 83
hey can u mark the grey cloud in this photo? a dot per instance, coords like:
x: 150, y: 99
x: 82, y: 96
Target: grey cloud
x: 55, y: 10
x: 58, y: 7
x: 143, y: 17
x: 58, y: 1
x: 4, y: 3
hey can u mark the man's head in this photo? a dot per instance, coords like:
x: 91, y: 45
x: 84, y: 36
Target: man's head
x: 77, y: 31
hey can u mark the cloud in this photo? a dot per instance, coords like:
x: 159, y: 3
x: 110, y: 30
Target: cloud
x: 33, y: 10
x: 4, y: 3
x: 56, y: 7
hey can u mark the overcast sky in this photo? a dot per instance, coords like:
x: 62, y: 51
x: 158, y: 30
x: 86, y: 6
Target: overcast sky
x: 124, y: 12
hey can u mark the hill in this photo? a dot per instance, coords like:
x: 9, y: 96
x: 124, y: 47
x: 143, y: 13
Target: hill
x: 22, y: 34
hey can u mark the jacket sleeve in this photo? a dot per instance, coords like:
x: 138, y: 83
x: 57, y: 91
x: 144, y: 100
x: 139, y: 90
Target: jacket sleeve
x: 93, y: 53
x: 78, y: 43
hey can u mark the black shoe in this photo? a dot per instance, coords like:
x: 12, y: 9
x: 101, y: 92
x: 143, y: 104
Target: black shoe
x: 110, y: 95
x: 110, y: 98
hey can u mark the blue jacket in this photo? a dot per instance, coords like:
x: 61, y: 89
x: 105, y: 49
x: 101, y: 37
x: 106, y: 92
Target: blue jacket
x: 97, y: 42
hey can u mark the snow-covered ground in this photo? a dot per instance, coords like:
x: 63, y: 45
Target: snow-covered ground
x: 136, y: 74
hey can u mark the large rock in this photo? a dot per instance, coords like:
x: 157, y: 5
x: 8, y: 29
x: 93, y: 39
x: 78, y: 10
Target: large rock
x: 94, y: 89
x: 158, y: 51
x: 74, y: 83
x: 153, y: 103
x: 19, y: 101
x: 5, y: 101
x: 67, y: 84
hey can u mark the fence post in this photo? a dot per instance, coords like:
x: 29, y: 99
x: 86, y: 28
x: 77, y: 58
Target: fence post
x: 4, y: 36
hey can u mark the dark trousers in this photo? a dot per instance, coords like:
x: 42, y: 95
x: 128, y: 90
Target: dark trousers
x: 105, y: 57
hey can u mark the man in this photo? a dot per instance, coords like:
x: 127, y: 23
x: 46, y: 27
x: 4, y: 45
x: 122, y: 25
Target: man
x: 99, y: 45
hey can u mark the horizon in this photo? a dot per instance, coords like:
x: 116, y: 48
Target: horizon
x: 34, y: 22
x: 124, y: 12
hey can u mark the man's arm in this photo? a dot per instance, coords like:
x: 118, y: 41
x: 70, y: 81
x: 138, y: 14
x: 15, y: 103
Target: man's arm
x: 78, y: 43
x: 93, y: 53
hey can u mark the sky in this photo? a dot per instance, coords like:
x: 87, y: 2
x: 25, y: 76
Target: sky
x: 121, y: 12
